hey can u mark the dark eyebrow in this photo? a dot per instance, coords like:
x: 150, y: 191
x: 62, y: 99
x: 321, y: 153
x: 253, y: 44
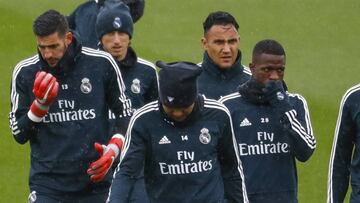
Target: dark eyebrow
x: 51, y: 46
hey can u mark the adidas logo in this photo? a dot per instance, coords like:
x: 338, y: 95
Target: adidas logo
x: 164, y: 140
x: 245, y: 122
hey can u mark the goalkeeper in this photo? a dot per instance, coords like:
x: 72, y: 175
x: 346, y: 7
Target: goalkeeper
x: 60, y: 100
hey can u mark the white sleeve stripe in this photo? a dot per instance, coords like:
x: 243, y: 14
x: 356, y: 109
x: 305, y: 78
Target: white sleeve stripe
x: 312, y: 146
x: 122, y: 98
x: 247, y: 70
x: 14, y: 97
x: 307, y: 114
x: 98, y: 53
x: 229, y: 96
x: 348, y: 93
x: 148, y: 107
x: 294, y: 126
x: 17, y: 69
x: 146, y: 62
x: 299, y: 126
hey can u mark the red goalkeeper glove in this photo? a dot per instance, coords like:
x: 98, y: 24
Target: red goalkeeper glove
x: 45, y: 90
x: 100, y: 168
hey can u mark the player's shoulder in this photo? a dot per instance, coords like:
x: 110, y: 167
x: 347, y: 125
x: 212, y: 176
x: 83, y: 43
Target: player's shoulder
x: 146, y: 64
x: 145, y: 110
x: 247, y: 71
x: 25, y: 66
x: 230, y: 97
x: 352, y: 95
x: 97, y: 56
x: 215, y: 105
x: 295, y: 96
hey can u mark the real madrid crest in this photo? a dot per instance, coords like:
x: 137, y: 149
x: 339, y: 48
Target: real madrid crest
x: 135, y: 86
x: 85, y: 86
x: 280, y: 96
x: 205, y: 136
x: 117, y: 23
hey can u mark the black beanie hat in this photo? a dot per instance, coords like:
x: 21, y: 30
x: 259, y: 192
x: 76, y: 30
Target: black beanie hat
x: 178, y: 83
x: 114, y: 17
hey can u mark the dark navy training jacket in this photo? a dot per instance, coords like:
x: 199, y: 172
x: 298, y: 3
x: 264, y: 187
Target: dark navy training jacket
x: 270, y: 143
x: 215, y: 82
x: 62, y: 144
x: 188, y: 161
x: 345, y: 157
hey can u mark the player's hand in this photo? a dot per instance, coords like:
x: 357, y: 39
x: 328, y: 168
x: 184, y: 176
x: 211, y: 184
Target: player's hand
x: 275, y: 94
x: 100, y: 168
x: 45, y: 90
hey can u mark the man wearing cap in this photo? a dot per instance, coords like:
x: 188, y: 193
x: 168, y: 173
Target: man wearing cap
x: 184, y: 143
x: 223, y: 71
x: 82, y: 19
x: 60, y: 99
x: 272, y: 127
x: 114, y: 28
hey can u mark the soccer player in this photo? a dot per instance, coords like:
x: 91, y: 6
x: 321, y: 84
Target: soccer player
x: 223, y: 71
x: 185, y: 144
x: 344, y: 165
x: 114, y: 28
x: 272, y: 127
x: 60, y: 100
x: 82, y: 20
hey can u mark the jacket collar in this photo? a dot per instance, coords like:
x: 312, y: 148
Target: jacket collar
x: 216, y: 71
x: 66, y: 63
x: 129, y: 60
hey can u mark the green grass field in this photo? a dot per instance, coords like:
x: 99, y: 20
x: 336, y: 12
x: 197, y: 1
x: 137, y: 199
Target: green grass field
x: 320, y: 38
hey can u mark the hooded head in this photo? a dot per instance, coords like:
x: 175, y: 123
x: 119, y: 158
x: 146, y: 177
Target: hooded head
x: 178, y: 83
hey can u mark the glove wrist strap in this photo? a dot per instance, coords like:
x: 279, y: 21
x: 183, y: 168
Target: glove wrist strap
x: 37, y: 111
x: 116, y: 143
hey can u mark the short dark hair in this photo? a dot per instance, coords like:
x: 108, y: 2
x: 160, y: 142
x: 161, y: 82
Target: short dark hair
x: 268, y: 46
x: 50, y: 22
x: 219, y: 18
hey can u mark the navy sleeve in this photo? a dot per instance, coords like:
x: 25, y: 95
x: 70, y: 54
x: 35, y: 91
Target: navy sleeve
x: 131, y: 165
x: 231, y: 167
x: 21, y: 126
x: 118, y: 102
x: 152, y: 94
x: 341, y: 154
x: 298, y: 125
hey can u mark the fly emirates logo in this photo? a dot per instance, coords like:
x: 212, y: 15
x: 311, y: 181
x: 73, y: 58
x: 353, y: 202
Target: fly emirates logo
x: 69, y: 113
x: 265, y: 145
x: 186, y: 164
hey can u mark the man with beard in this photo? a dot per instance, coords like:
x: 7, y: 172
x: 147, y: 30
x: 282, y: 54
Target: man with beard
x: 60, y: 99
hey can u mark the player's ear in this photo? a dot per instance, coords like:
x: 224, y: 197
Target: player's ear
x: 68, y: 38
x: 204, y: 43
x: 252, y: 67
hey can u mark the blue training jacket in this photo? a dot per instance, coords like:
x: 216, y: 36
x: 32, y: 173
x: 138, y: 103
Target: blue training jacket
x: 62, y: 144
x: 215, y: 82
x: 344, y: 162
x: 185, y: 162
x: 267, y: 147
